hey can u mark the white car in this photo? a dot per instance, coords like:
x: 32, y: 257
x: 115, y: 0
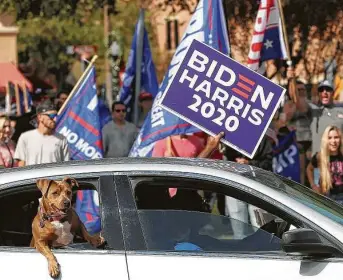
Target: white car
x: 299, y: 233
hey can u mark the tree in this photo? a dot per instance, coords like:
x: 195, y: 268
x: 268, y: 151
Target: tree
x: 48, y: 27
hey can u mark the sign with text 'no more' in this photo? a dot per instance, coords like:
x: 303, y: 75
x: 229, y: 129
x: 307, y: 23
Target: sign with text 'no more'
x: 215, y: 93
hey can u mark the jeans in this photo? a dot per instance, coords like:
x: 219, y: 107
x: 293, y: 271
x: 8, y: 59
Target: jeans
x: 239, y: 213
x: 316, y: 174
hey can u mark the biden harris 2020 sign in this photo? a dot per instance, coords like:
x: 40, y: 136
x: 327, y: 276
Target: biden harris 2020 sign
x: 215, y: 93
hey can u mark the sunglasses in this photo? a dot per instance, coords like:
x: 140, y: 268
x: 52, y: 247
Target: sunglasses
x: 326, y: 89
x: 51, y: 116
x: 123, y: 111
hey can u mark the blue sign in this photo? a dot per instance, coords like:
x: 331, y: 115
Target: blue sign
x: 286, y: 160
x: 215, y: 93
x: 206, y: 25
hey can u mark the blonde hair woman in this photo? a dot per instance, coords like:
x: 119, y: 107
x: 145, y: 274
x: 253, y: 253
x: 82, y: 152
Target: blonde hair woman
x: 330, y: 163
x: 7, y: 146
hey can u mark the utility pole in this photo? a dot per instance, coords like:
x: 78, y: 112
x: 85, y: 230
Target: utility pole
x: 139, y: 58
x: 108, y: 77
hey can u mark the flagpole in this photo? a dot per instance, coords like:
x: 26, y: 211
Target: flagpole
x: 139, y: 58
x: 91, y: 63
x: 289, y: 61
x: 108, y: 78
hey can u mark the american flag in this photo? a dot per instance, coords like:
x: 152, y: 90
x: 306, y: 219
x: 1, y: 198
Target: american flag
x: 268, y: 41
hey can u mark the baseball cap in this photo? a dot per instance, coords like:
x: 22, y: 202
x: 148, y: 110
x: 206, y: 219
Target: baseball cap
x: 145, y: 96
x: 45, y: 107
x: 325, y: 83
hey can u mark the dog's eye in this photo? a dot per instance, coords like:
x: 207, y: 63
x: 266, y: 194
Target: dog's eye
x: 55, y: 193
x: 68, y: 193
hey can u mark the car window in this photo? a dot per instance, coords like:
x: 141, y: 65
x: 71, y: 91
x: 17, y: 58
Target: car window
x: 22, y: 203
x: 306, y: 196
x: 178, y: 230
x: 175, y: 216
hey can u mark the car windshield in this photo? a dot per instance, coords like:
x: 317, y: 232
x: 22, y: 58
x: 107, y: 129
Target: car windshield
x: 319, y: 203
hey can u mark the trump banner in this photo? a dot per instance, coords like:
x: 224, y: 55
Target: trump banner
x: 206, y: 25
x: 148, y: 74
x: 286, y: 160
x: 215, y: 93
x: 81, y: 122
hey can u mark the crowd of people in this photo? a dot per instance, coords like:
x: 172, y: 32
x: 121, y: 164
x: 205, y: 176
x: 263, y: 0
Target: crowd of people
x: 318, y: 127
x: 313, y: 109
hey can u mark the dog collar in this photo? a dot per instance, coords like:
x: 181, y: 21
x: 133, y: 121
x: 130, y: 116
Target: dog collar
x: 44, y: 217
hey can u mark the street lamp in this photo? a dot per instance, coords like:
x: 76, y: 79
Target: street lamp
x: 115, y: 53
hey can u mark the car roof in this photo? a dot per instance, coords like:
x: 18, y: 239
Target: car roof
x: 98, y: 165
x: 191, y: 162
x: 219, y: 168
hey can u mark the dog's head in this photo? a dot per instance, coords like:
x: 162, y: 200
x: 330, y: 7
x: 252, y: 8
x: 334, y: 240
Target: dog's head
x: 57, y: 195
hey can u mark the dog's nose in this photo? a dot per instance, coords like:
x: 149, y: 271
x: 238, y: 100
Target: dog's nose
x: 67, y: 204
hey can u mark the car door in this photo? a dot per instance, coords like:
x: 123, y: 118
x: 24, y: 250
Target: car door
x: 160, y: 243
x: 79, y: 261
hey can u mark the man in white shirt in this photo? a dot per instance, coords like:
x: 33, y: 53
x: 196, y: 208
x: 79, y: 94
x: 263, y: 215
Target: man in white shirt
x: 42, y: 145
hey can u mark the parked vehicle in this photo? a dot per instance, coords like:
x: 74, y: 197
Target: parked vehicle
x: 299, y: 233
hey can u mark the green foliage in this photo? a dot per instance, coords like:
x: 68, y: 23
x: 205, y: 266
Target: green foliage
x: 48, y: 27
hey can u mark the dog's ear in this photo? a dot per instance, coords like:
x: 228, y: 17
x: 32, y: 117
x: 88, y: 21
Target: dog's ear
x: 71, y: 181
x: 43, y: 185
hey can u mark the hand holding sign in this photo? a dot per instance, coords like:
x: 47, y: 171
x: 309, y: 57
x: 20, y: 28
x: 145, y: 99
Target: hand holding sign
x: 211, y: 145
x: 242, y: 160
x: 215, y: 93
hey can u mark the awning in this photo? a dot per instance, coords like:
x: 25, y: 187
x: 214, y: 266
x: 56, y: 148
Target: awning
x: 10, y: 74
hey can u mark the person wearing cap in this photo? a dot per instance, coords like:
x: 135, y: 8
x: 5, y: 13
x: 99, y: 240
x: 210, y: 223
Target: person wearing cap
x: 42, y: 145
x: 323, y: 114
x: 145, y: 102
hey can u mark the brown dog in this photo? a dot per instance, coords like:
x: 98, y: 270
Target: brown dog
x: 56, y: 222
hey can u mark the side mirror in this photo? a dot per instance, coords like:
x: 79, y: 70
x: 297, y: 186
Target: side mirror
x: 307, y: 242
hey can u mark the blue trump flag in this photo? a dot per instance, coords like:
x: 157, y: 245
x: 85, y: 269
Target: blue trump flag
x: 148, y: 74
x: 206, y: 25
x: 81, y: 123
x: 286, y: 160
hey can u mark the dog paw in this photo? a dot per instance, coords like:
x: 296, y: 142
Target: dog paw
x: 54, y: 269
x: 97, y: 241
x: 101, y: 240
